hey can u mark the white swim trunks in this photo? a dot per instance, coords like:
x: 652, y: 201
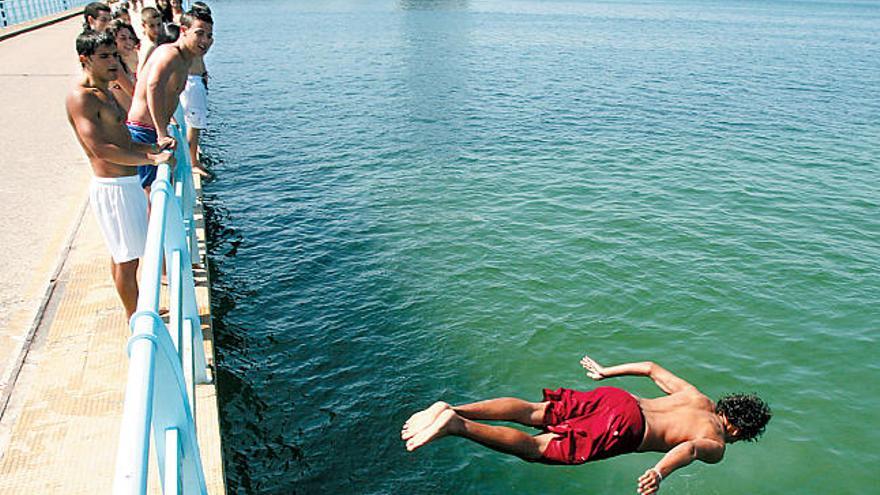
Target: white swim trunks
x: 120, y: 207
x: 195, y: 102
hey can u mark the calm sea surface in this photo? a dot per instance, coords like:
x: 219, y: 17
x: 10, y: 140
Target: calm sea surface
x: 421, y: 200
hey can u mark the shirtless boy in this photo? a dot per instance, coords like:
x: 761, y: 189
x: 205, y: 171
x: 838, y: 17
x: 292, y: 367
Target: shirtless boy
x: 579, y: 427
x: 151, y: 23
x: 96, y: 16
x: 114, y: 193
x: 160, y: 82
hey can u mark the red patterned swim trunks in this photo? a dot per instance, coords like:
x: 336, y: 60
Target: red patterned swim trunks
x: 593, y: 425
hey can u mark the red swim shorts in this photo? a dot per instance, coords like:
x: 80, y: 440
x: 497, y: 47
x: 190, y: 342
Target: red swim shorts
x: 593, y: 425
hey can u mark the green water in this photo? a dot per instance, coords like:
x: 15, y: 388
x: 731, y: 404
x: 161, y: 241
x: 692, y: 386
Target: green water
x: 457, y: 199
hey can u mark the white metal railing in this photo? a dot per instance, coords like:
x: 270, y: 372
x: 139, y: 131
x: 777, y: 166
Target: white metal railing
x: 166, y: 361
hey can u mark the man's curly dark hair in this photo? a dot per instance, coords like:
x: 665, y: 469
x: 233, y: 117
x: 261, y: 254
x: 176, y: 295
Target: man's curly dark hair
x: 747, y: 412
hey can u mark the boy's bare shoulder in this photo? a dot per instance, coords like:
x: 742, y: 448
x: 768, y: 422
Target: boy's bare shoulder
x: 162, y: 50
x: 161, y: 54
x: 83, y: 98
x: 697, y: 399
x: 167, y: 58
x: 170, y: 51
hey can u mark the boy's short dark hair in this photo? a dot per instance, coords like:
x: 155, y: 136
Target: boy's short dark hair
x: 94, y: 9
x: 193, y: 15
x: 170, y: 34
x: 88, y: 41
x: 746, y: 412
x: 150, y: 13
x: 201, y: 6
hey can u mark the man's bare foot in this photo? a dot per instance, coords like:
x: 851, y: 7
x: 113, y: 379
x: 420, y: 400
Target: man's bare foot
x: 422, y: 419
x: 202, y: 171
x: 438, y: 429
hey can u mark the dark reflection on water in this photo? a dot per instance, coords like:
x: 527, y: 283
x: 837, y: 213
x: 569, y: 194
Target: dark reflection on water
x: 311, y: 345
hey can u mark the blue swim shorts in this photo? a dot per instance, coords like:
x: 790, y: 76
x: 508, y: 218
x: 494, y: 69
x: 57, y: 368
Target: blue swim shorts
x: 143, y: 133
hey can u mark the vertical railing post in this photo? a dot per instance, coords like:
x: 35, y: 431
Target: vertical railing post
x: 172, y: 462
x: 133, y: 453
x: 189, y: 366
x: 176, y: 298
x: 187, y: 192
x: 3, y: 21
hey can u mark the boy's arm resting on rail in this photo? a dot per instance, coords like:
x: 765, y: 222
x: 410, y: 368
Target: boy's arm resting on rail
x: 664, y: 379
x: 166, y: 143
x: 86, y: 121
x: 703, y: 449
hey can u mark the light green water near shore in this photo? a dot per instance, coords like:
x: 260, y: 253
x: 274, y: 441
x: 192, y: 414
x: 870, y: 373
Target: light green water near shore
x: 456, y: 200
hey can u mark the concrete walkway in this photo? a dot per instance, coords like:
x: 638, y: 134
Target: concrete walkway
x: 45, y: 178
x: 59, y: 431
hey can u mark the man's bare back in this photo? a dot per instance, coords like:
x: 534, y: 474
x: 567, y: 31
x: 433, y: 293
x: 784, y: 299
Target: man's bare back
x: 159, y: 85
x: 678, y: 418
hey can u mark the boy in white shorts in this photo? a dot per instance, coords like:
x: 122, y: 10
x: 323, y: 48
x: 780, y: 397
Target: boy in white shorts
x: 194, y: 100
x: 115, y: 193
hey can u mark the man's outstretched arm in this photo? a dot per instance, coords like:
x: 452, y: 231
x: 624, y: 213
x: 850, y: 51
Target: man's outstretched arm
x: 664, y: 379
x: 708, y: 451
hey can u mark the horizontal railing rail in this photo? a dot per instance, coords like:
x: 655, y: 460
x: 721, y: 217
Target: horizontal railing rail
x: 166, y: 360
x: 17, y: 11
